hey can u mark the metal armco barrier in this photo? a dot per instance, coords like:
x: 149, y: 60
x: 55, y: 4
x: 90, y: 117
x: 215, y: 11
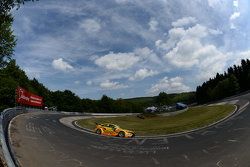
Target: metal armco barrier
x: 6, y: 116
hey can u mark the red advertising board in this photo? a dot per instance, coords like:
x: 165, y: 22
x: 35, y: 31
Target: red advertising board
x: 27, y: 98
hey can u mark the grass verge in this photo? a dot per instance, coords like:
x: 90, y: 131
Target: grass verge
x: 194, y: 117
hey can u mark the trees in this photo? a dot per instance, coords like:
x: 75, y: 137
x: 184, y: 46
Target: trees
x: 236, y: 79
x: 7, y: 38
x: 163, y: 99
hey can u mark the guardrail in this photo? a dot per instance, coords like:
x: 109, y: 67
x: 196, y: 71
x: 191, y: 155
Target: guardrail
x: 6, y: 116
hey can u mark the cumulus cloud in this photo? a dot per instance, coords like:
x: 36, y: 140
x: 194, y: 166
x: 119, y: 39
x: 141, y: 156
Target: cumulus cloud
x: 153, y: 24
x: 185, y: 52
x: 185, y: 21
x: 215, y: 3
x: 241, y: 55
x: 117, y: 61
x: 185, y: 48
x: 110, y: 85
x: 89, y: 83
x: 142, y: 74
x: 234, y: 16
x: 124, y: 61
x: 90, y: 26
x: 213, y: 62
x: 60, y: 64
x: 236, y: 3
x: 169, y: 85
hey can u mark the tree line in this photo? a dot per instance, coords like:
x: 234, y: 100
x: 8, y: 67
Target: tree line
x: 12, y: 77
x: 235, y: 80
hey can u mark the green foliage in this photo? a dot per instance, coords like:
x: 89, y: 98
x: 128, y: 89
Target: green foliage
x: 235, y: 80
x: 7, y: 39
x: 7, y: 5
x: 66, y: 101
x: 163, y: 99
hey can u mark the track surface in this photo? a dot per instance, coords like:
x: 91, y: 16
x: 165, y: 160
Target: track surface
x: 40, y: 140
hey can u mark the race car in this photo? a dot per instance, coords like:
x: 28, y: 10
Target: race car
x: 113, y: 130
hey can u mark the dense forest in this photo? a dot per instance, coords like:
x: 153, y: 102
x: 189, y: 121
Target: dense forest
x: 12, y: 76
x: 235, y: 80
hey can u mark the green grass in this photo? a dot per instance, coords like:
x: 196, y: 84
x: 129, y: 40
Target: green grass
x: 194, y: 117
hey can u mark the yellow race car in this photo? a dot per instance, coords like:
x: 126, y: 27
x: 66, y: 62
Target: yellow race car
x: 113, y: 130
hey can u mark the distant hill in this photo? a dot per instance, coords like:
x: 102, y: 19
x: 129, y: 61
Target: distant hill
x: 185, y: 97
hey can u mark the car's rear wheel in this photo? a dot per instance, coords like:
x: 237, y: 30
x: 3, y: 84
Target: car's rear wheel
x: 98, y: 131
x: 121, y: 134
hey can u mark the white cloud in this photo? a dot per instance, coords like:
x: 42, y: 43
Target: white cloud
x: 184, y: 21
x: 153, y: 24
x: 213, y: 61
x: 236, y: 3
x: 117, y: 61
x: 60, y: 64
x: 168, y: 85
x: 242, y: 55
x: 91, y: 26
x: 89, y: 83
x: 143, y: 53
x: 215, y: 32
x: 185, y: 48
x: 147, y: 54
x: 234, y: 16
x: 214, y: 3
x: 77, y: 82
x: 142, y: 74
x: 110, y: 85
x: 124, y: 61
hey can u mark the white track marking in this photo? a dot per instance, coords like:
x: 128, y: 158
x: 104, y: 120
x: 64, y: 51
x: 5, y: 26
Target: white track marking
x: 165, y: 140
x: 213, y: 147
x: 155, y: 161
x: 232, y: 140
x: 186, y: 157
x: 218, y: 163
x: 237, y: 129
x: 107, y: 158
x: 205, y: 151
x: 188, y: 136
x: 208, y: 132
x: 139, y: 142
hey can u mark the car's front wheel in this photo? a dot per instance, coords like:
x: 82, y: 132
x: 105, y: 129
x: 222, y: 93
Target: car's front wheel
x: 121, y: 134
x: 99, y: 131
x: 133, y: 135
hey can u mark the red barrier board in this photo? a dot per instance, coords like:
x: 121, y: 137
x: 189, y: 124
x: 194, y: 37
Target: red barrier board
x: 27, y: 98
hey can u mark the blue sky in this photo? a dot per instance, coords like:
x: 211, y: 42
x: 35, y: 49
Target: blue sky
x: 130, y: 48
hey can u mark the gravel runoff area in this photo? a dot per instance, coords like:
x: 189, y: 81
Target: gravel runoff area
x: 194, y: 117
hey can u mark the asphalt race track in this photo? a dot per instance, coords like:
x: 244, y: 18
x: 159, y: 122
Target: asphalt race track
x: 40, y: 140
